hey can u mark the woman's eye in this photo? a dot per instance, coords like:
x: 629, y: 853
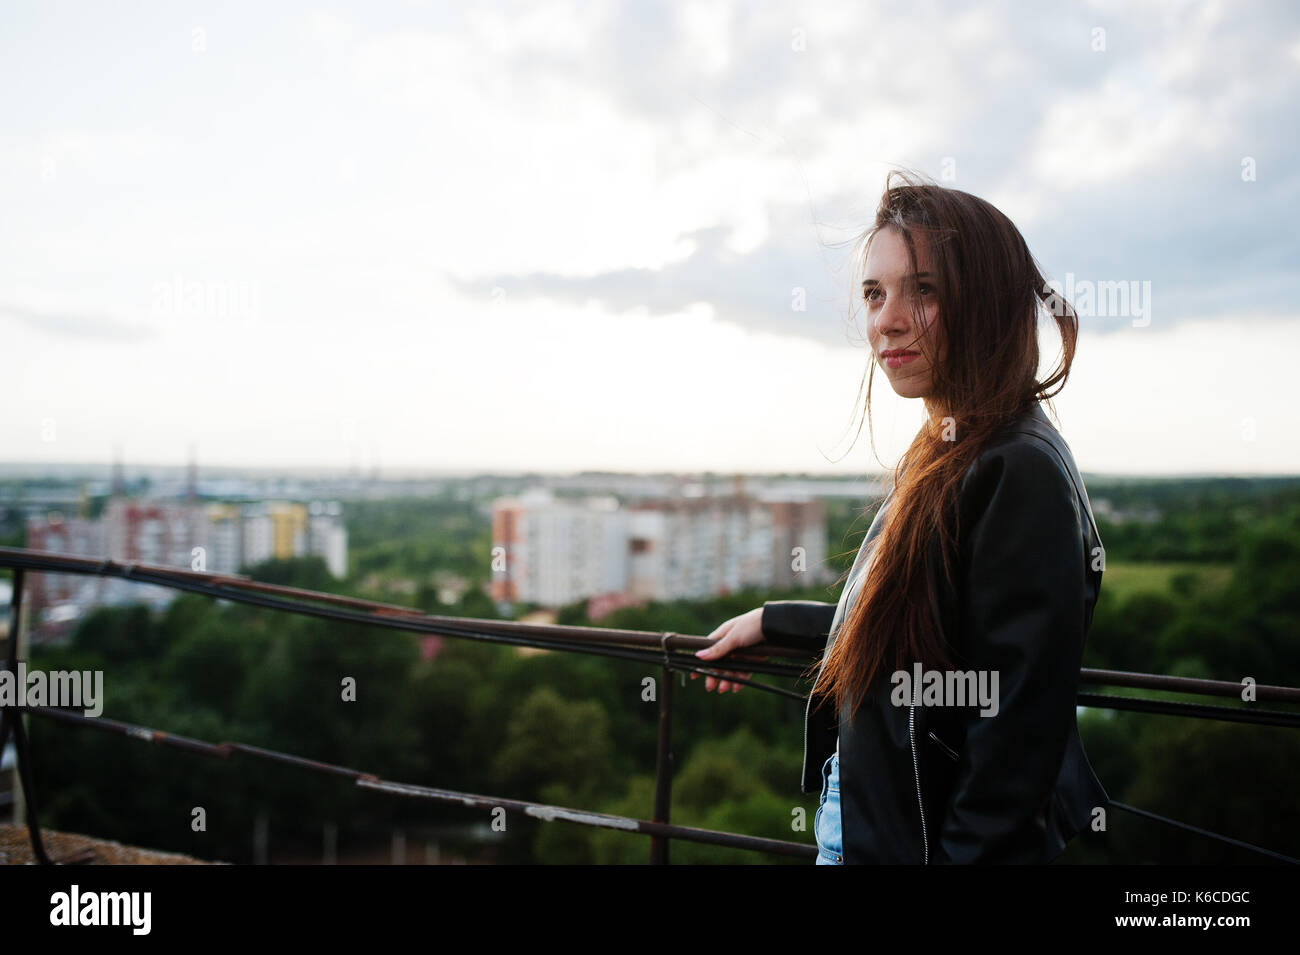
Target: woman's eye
x: 874, y: 295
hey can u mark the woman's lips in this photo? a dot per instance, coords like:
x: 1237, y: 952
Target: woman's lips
x: 897, y: 361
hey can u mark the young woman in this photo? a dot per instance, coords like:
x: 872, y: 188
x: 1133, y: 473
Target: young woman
x: 951, y: 662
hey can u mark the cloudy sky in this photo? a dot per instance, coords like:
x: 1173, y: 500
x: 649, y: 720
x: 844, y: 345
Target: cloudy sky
x: 558, y: 236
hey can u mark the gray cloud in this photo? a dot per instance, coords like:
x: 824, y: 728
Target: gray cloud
x: 74, y: 325
x: 756, y: 290
x: 1209, y: 242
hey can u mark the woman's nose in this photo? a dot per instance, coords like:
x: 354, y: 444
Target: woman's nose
x: 892, y: 320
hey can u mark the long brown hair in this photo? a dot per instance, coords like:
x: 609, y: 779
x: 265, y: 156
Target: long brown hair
x: 989, y: 289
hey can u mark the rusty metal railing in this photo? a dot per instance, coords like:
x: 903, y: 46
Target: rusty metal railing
x: 666, y: 650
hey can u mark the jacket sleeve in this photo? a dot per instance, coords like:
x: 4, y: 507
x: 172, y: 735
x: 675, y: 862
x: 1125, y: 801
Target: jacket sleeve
x: 1022, y: 618
x: 798, y: 624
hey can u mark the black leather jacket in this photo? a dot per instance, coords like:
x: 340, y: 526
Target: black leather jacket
x: 925, y: 784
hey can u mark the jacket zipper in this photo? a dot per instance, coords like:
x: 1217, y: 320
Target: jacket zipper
x: 916, y: 771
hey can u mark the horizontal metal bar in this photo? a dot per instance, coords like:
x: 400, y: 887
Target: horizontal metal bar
x: 1204, y: 832
x: 369, y: 781
x: 1183, y: 684
x: 1227, y: 714
x: 64, y: 563
x: 241, y: 589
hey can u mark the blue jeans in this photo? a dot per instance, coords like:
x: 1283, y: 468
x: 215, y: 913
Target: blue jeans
x: 826, y: 824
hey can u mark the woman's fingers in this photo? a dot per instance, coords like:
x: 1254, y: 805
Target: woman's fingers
x: 734, y: 687
x: 725, y: 685
x: 720, y: 647
x: 712, y: 681
x: 726, y: 639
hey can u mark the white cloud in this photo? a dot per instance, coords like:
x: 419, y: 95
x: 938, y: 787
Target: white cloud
x: 1200, y: 397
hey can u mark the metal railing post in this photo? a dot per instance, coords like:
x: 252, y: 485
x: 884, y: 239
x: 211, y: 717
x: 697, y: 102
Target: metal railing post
x: 25, y: 792
x: 663, y: 762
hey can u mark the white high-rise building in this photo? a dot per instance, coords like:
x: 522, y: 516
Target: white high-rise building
x: 553, y: 551
x: 327, y: 536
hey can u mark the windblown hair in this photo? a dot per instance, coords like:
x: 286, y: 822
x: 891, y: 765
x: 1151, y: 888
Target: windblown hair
x: 989, y: 290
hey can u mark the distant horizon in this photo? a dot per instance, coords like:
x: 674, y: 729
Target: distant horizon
x: 12, y: 469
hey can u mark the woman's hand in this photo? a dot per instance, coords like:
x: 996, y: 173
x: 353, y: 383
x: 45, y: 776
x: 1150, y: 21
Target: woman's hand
x: 738, y: 632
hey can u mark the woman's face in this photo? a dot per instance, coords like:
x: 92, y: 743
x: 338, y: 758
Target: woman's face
x: 892, y: 296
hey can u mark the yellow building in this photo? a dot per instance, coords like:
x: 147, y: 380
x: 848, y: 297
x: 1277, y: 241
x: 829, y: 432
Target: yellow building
x: 288, y: 528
